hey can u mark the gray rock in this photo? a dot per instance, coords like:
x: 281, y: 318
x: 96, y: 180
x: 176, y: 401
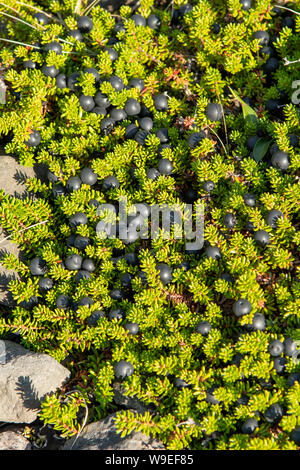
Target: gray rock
x: 11, y: 440
x: 128, y: 402
x: 102, y: 435
x: 25, y: 379
x: 13, y: 177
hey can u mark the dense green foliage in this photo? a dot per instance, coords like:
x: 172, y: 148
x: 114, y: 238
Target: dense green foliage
x: 195, y: 67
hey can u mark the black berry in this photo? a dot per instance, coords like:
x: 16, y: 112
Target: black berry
x: 53, y: 46
x: 85, y: 24
x: 61, y: 81
x: 213, y: 252
x: 86, y: 102
x: 50, y: 71
x: 139, y: 20
x: 87, y: 176
x: 132, y: 107
x: 137, y: 83
x: 132, y: 328
x: 249, y: 426
x: 73, y: 262
x: 38, y: 266
x: 161, y: 102
x: 274, y: 413
x: 230, y: 220
x: 153, y: 21
x: 213, y: 112
x: 165, y: 166
x: 110, y: 182
x: 280, y: 160
x: 63, y: 301
x: 73, y: 183
x: 276, y: 348
x: 78, y: 219
x: 250, y: 200
x: 34, y: 139
x: 203, y: 328
x: 123, y: 369
x: 165, y: 273
x: 262, y: 238
x: 242, y: 307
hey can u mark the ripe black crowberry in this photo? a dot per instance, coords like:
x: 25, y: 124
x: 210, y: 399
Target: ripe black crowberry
x: 262, y: 238
x: 101, y: 100
x: 115, y: 314
x: 163, y: 135
x: 113, y: 55
x: 161, y: 102
x: 246, y: 4
x: 279, y: 364
x: 86, y: 102
x: 208, y: 186
x: 242, y: 307
x: 116, y: 83
x: 82, y: 275
x: 117, y: 114
x: 203, y: 328
x: 132, y: 107
x: 85, y: 24
x: 165, y: 273
x: 34, y: 139
x: 88, y: 265
x: 153, y: 21
x: 276, y: 348
x: 195, y: 139
x: 214, y: 112
x: 258, y: 322
x: 50, y: 71
x: 250, y: 200
x: 73, y: 183
x: 88, y: 176
x: 137, y: 83
x: 132, y: 328
x: 165, y: 166
x: 38, y: 266
x: 263, y: 37
x: 249, y: 426
x: 85, y: 302
x: 41, y: 18
x: 290, y: 347
x: 213, y: 252
x: 63, y: 301
x: 53, y: 46
x: 145, y: 123
x: 139, y: 20
x: 153, y: 174
x: 45, y: 284
x: 61, y: 81
x: 93, y: 319
x: 123, y: 369
x: 73, y: 262
x: 76, y: 34
x: 78, y: 219
x: 110, y: 182
x: 272, y: 217
x: 274, y: 413
x: 29, y: 64
x: 230, y: 220
x: 280, y: 160
x: 81, y: 242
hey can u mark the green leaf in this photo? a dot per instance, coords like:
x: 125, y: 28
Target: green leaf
x: 248, y: 112
x: 260, y: 149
